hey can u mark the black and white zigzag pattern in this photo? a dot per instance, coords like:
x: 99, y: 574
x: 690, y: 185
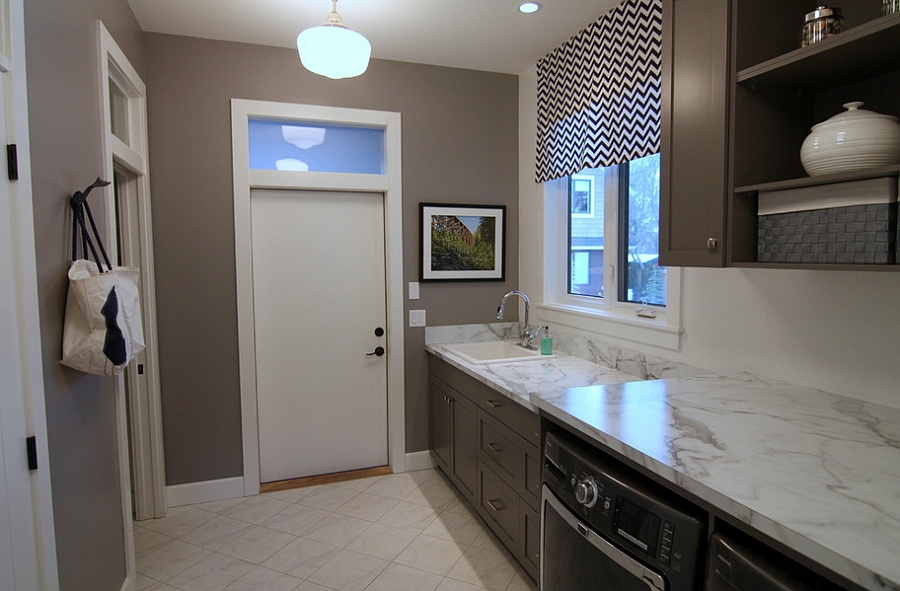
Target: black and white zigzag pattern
x: 599, y: 93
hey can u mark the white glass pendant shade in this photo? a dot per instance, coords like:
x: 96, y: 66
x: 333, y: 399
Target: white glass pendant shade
x: 333, y: 50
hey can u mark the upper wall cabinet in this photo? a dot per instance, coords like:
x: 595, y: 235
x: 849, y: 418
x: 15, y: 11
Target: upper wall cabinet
x: 694, y: 166
x: 733, y: 132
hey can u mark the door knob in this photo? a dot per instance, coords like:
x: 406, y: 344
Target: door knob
x: 378, y: 352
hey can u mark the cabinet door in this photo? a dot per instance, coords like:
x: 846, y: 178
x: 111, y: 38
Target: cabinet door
x: 465, y: 445
x: 441, y: 399
x: 695, y: 155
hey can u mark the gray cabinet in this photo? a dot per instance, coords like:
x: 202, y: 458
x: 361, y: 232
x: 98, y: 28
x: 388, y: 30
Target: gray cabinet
x: 739, y: 96
x: 453, y: 420
x: 489, y: 448
x: 694, y: 158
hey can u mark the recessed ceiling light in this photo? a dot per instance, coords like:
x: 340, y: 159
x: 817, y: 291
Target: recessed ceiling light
x: 529, y: 7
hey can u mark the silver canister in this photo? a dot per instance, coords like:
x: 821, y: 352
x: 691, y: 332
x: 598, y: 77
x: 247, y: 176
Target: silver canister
x: 821, y: 23
x: 890, y: 7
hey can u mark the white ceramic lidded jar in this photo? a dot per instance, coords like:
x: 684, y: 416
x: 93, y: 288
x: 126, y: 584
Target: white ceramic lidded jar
x: 854, y: 140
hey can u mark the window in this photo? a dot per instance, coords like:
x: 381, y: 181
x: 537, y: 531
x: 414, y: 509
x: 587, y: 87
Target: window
x: 608, y: 240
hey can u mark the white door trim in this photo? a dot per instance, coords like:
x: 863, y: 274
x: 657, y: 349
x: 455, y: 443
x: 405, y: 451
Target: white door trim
x: 388, y: 183
x: 143, y: 416
x: 32, y: 523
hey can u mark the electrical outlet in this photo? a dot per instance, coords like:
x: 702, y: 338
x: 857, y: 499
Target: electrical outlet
x: 416, y: 318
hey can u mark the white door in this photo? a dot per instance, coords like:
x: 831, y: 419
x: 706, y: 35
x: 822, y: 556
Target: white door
x: 20, y: 556
x: 320, y: 312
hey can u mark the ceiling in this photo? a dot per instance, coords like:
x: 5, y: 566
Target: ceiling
x: 490, y: 35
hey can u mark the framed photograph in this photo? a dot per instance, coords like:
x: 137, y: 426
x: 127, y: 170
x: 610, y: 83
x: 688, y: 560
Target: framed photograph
x: 462, y: 242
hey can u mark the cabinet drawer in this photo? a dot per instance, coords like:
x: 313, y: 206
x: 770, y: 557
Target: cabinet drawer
x: 499, y: 406
x: 499, y: 445
x: 499, y: 505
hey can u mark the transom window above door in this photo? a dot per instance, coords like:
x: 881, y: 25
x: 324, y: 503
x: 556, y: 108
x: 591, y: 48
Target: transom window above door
x: 313, y: 147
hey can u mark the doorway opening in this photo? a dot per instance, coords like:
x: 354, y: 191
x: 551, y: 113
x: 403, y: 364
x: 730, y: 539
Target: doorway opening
x: 293, y: 178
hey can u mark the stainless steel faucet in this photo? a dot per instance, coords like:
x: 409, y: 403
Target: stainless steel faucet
x: 528, y: 335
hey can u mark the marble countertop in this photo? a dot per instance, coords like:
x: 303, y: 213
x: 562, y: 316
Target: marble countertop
x: 817, y: 471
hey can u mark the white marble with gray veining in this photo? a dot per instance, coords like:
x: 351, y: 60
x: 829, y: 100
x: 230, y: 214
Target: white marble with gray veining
x: 817, y: 471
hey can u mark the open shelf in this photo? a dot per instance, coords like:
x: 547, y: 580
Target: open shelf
x: 863, y: 52
x: 825, y: 179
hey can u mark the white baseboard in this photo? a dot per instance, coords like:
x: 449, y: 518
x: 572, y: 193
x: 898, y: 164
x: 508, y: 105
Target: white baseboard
x: 419, y: 460
x: 201, y: 492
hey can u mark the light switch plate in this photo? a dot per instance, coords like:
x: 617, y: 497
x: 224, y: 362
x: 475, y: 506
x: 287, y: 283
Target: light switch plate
x: 413, y: 290
x: 416, y: 318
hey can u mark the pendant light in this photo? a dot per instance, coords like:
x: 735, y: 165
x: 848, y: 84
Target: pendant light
x: 333, y: 50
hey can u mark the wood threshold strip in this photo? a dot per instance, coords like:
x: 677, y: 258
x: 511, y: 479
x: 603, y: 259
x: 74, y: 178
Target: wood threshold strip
x: 266, y: 487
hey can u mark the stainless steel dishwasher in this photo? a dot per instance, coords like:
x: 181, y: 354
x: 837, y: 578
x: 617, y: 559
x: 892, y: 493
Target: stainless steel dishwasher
x: 604, y: 528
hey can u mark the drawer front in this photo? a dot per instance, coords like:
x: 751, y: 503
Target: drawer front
x: 530, y: 426
x: 499, y: 505
x: 500, y: 407
x: 499, y: 445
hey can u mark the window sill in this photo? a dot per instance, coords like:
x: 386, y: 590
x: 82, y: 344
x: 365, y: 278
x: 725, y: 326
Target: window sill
x: 648, y: 331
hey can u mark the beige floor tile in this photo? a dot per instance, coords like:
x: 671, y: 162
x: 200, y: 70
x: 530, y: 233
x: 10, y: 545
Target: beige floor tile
x: 257, y: 510
x: 326, y: 497
x: 382, y: 541
x: 462, y: 528
x: 348, y: 571
x: 179, y: 521
x: 395, y: 486
x: 164, y: 562
x: 301, y: 557
x: 397, y: 577
x: 367, y: 506
x: 257, y: 544
x: 449, y: 584
x: 264, y: 579
x: 145, y: 540
x: 337, y: 530
x: 492, y: 570
x: 212, y: 573
x: 409, y: 516
x: 521, y: 582
x: 296, y: 519
x: 430, y: 554
x: 217, y: 532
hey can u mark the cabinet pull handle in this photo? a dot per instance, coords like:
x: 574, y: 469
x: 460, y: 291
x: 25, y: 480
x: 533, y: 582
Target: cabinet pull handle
x: 711, y: 243
x: 494, y: 447
x: 493, y: 403
x: 495, y: 505
x: 447, y: 399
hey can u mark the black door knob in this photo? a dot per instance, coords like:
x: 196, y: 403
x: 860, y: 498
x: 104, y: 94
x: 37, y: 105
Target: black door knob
x: 378, y: 352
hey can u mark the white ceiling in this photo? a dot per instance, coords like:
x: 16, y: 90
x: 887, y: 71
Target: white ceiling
x: 488, y: 35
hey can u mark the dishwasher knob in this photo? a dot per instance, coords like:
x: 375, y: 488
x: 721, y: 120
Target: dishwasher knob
x: 586, y: 492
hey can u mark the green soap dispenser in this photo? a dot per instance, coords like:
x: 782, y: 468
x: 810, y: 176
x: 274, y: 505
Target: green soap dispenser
x: 546, y: 342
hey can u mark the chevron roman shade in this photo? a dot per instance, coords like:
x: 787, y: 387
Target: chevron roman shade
x: 599, y: 93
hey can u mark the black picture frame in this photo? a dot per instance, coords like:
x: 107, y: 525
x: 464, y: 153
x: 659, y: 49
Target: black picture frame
x: 462, y: 242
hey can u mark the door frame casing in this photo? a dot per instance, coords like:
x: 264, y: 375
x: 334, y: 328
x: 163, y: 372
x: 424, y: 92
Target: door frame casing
x: 388, y: 184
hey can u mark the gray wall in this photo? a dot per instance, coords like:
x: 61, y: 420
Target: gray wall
x: 460, y: 133
x: 64, y: 119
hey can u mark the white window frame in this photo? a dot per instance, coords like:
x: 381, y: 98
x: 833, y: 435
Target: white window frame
x: 607, y: 315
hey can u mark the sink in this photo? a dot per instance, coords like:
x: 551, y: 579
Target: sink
x: 494, y: 352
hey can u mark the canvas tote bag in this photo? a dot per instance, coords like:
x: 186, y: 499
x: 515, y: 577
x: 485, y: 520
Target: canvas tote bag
x: 102, y: 330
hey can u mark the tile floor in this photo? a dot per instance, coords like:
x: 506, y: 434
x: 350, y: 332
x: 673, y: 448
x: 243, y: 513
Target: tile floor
x: 401, y: 532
